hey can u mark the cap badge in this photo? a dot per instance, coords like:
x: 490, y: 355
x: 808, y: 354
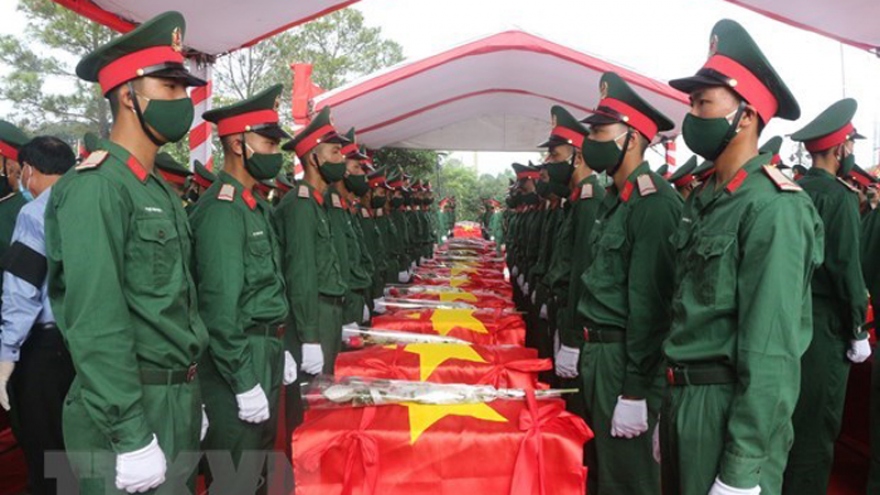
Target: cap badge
x: 713, y: 45
x: 176, y: 40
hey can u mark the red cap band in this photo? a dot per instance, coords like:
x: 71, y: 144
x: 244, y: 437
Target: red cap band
x: 201, y: 181
x: 281, y: 186
x: 687, y: 179
x: 307, y: 143
x: 126, y: 68
x: 861, y: 179
x: 173, y: 178
x: 746, y: 84
x: 825, y: 142
x: 528, y: 174
x: 243, y: 123
x: 632, y: 117
x: 349, y: 148
x: 575, y: 138
x: 377, y: 181
x: 8, y: 151
x: 775, y: 160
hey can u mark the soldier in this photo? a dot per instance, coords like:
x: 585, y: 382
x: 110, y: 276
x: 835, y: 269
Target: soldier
x: 839, y: 301
x: 747, y: 245
x: 12, y: 198
x: 863, y: 182
x: 32, y: 351
x: 527, y: 176
x: 238, y: 274
x: 869, y: 247
x: 202, y: 179
x: 496, y: 226
x: 398, y: 221
x: 684, y: 179
x: 119, y: 249
x: 176, y: 175
x: 378, y: 210
x: 627, y: 289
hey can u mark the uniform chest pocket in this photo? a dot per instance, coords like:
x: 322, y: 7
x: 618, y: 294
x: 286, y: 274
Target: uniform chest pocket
x: 609, y: 265
x: 713, y: 261
x: 259, y: 264
x: 156, y: 252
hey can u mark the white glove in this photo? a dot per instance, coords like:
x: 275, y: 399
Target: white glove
x: 443, y: 239
x: 859, y: 351
x: 515, y: 271
x: 289, y: 368
x: 205, y: 424
x: 403, y: 277
x: 526, y: 288
x: 412, y: 266
x: 253, y: 406
x: 379, y: 305
x: 719, y: 488
x: 630, y: 418
x: 567, y: 362
x: 141, y: 470
x: 423, y: 260
x: 506, y: 274
x: 543, y: 312
x: 6, y: 369
x: 655, y: 443
x: 533, y: 295
x: 492, y: 238
x: 365, y: 316
x: 313, y: 359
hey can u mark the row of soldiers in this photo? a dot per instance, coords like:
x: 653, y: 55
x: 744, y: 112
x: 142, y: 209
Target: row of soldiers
x: 710, y: 326
x: 171, y: 308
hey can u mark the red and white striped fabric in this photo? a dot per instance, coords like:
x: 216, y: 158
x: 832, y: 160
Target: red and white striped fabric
x: 670, y: 154
x: 200, y: 147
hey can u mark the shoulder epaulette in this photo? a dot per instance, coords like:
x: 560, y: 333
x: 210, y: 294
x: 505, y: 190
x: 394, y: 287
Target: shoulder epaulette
x: 646, y: 185
x: 848, y: 185
x: 335, y: 200
x: 94, y: 160
x: 782, y: 182
x: 586, y: 191
x: 227, y: 193
x: 302, y: 192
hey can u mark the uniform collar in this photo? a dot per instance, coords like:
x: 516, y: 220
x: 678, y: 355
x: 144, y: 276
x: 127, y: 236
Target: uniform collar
x: 819, y: 172
x: 246, y: 194
x: 122, y: 154
x: 630, y: 185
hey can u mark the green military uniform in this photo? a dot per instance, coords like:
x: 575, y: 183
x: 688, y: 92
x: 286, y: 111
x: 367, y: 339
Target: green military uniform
x: 118, y: 248
x: 11, y: 140
x: 348, y: 246
x: 242, y: 297
x: 375, y: 228
x: 627, y: 289
x: 398, y: 222
x: 313, y: 276
x: 746, y: 251
x: 869, y: 247
x: 839, y: 305
x: 176, y: 175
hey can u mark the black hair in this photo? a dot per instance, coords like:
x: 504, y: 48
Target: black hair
x: 48, y: 154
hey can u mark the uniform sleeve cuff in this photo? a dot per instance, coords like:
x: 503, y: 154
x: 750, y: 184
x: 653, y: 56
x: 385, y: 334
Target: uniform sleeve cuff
x: 9, y: 353
x: 635, y: 386
x: 130, y: 434
x: 739, y: 471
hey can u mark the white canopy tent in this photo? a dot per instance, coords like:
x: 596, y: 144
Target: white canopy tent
x: 214, y: 27
x: 493, y: 94
x: 853, y: 22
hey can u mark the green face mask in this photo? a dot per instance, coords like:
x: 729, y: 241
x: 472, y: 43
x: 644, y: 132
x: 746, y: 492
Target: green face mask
x: 560, y: 172
x: 170, y: 118
x: 529, y: 199
x: 377, y: 202
x: 846, y: 165
x: 408, y: 200
x: 332, y: 172
x: 543, y: 189
x: 396, y: 202
x: 709, y: 137
x: 263, y: 166
x: 604, y: 156
x: 357, y: 184
x: 512, y: 201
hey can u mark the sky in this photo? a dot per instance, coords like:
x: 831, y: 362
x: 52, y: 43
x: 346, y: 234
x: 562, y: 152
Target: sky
x: 663, y: 39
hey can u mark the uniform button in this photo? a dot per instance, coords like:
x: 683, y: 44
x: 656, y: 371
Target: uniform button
x: 161, y: 234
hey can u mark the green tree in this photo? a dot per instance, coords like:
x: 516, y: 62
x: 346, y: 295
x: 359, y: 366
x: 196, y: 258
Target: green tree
x: 421, y: 164
x: 54, y: 40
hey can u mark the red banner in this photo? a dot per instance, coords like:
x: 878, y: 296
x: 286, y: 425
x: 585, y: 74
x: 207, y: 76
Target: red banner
x: 501, y: 367
x: 483, y: 326
x: 505, y: 447
x: 468, y: 283
x: 480, y: 298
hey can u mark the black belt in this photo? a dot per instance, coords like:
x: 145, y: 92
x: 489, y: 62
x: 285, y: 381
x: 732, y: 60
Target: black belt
x: 604, y: 336
x: 701, y: 374
x: 334, y: 300
x: 168, y: 377
x: 276, y: 330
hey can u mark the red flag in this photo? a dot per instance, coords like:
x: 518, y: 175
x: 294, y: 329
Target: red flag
x: 501, y: 367
x: 511, y: 447
x: 303, y: 92
x: 483, y: 326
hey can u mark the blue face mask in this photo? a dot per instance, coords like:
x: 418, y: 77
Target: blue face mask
x: 24, y: 191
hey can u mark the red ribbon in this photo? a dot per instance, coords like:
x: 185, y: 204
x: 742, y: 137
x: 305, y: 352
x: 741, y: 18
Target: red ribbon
x: 359, y: 445
x: 529, y: 468
x: 390, y: 370
x: 505, y: 375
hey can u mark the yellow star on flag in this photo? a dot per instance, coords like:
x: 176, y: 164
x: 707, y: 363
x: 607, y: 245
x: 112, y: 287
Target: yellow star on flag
x: 433, y: 355
x: 422, y: 417
x: 413, y: 316
x: 458, y: 281
x: 458, y: 270
x: 457, y: 296
x: 445, y: 320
